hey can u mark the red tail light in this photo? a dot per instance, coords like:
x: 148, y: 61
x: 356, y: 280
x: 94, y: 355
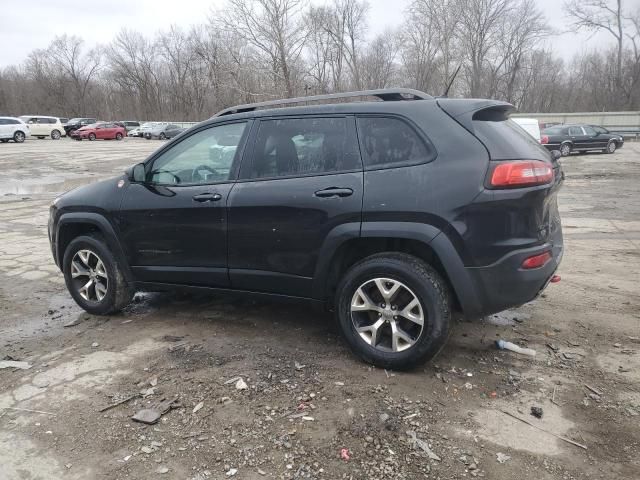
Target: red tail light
x: 544, y: 139
x: 521, y: 173
x: 536, y: 261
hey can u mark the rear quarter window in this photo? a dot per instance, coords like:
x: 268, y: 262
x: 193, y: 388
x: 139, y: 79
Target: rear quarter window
x: 504, y: 138
x: 387, y: 142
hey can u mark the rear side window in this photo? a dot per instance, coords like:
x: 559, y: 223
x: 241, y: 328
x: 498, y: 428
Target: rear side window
x: 304, y: 146
x: 390, y: 142
x: 575, y: 131
x: 504, y: 138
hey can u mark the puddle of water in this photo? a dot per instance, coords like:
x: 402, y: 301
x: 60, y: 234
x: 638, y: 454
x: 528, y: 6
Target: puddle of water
x: 13, y: 186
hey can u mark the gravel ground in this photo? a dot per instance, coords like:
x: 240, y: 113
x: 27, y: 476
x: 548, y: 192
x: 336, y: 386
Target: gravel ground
x: 310, y: 409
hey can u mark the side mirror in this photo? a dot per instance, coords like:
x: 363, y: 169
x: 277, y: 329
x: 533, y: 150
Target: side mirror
x: 137, y: 173
x: 556, y: 154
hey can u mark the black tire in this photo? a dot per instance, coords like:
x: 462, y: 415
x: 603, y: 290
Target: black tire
x: 162, y: 136
x: 118, y: 136
x: 565, y: 149
x: 92, y: 137
x: 55, y: 135
x: 18, y: 137
x: 611, y: 146
x: 118, y: 294
x: 427, y: 286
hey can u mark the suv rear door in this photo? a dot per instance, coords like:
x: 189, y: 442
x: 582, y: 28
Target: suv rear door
x: 174, y: 225
x: 300, y: 183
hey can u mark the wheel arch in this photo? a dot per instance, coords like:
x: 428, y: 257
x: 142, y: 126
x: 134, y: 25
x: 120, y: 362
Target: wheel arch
x: 73, y: 224
x: 344, y: 248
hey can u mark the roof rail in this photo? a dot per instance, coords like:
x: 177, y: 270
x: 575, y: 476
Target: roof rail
x: 385, y: 94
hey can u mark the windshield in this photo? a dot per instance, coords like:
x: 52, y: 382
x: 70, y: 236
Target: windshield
x: 74, y: 120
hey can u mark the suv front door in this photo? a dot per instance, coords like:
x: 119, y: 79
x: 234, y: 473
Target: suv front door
x: 301, y: 182
x: 174, y: 225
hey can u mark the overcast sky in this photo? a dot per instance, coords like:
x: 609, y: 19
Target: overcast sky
x: 37, y: 22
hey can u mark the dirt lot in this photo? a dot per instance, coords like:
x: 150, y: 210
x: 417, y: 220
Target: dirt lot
x: 307, y: 397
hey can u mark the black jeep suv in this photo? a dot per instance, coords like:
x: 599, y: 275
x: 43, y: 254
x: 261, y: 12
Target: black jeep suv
x: 392, y: 213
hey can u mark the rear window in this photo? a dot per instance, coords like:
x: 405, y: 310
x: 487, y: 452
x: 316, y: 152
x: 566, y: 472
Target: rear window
x: 390, y: 142
x: 552, y: 131
x: 504, y: 138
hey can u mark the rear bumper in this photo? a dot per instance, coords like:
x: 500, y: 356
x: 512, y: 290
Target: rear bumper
x: 505, y: 284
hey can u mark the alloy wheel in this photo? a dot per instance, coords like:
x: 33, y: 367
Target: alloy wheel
x: 18, y: 137
x: 611, y: 147
x: 89, y: 275
x: 565, y: 150
x: 55, y: 135
x: 387, y: 315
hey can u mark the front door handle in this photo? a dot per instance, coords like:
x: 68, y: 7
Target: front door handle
x: 207, y: 197
x: 334, y: 192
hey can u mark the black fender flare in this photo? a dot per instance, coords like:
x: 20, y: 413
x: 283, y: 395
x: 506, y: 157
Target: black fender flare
x: 459, y: 277
x: 106, y: 229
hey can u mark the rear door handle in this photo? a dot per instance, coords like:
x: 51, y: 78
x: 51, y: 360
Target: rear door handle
x: 334, y: 192
x: 207, y: 197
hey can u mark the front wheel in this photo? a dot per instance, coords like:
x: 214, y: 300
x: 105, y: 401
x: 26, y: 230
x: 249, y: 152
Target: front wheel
x: 162, y: 136
x: 565, y: 149
x: 92, y: 137
x: 118, y: 136
x: 18, y: 137
x: 394, y: 310
x: 611, y: 147
x: 94, y: 277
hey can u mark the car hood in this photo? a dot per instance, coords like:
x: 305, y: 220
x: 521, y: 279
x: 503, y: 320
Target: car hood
x: 93, y: 196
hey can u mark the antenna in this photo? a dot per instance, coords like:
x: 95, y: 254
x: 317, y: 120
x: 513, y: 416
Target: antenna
x: 453, y: 77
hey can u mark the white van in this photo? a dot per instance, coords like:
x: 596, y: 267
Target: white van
x: 42, y: 126
x: 529, y: 125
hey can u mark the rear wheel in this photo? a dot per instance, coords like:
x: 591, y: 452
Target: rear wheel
x: 394, y: 310
x: 94, y: 277
x: 565, y: 149
x: 118, y: 136
x: 162, y: 136
x: 55, y: 135
x: 18, y: 137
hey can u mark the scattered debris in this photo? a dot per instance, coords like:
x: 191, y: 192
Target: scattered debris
x: 594, y: 390
x: 298, y: 365
x: 74, y: 322
x: 153, y: 381
x: 198, y: 407
x: 568, y: 440
x: 95, y: 345
x: 502, y: 458
x: 502, y: 345
x: 15, y: 364
x: 232, y: 380
x: 124, y: 400
x: 29, y: 410
x: 537, y: 412
x: 422, y: 445
x: 162, y: 470
x: 231, y: 472
x: 344, y: 454
x: 241, y: 384
x: 172, y: 338
x: 152, y: 415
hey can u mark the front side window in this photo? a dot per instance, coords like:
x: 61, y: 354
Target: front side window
x: 204, y: 157
x: 304, y: 146
x: 388, y: 142
x: 575, y: 131
x: 589, y: 131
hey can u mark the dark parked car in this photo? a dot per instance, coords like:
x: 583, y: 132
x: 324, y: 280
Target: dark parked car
x: 580, y: 138
x: 76, y: 123
x: 163, y: 132
x: 391, y: 213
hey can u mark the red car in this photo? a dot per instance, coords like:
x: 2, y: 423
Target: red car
x: 103, y: 130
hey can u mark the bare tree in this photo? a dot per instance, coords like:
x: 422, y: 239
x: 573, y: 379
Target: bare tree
x: 601, y: 15
x: 273, y: 27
